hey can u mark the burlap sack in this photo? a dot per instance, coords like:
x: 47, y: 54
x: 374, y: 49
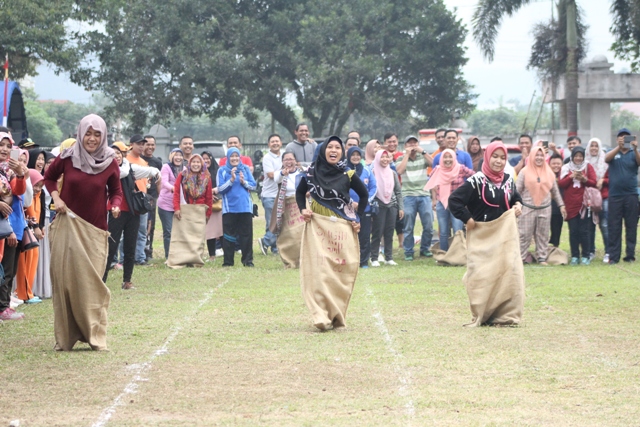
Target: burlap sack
x: 290, y: 235
x: 80, y: 299
x: 557, y: 257
x: 188, y: 237
x: 457, y: 253
x: 495, y: 274
x: 329, y: 261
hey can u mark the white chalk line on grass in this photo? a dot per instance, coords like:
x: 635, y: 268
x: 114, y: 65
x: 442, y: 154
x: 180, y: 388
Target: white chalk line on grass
x: 139, y: 370
x: 404, y: 377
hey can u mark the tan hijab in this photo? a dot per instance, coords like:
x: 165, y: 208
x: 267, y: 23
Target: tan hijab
x: 538, y: 180
x: 97, y: 161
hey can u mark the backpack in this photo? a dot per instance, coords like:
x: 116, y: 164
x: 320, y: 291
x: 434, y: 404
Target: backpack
x: 592, y: 199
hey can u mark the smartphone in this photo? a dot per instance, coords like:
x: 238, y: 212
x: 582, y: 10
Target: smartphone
x: 627, y: 141
x: 545, y: 144
x: 15, y: 153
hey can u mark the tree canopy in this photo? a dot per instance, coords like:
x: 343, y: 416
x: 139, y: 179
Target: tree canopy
x: 158, y: 59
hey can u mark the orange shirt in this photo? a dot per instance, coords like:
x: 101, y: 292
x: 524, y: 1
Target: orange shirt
x: 140, y: 183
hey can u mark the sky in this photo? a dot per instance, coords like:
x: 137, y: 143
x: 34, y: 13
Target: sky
x: 504, y: 79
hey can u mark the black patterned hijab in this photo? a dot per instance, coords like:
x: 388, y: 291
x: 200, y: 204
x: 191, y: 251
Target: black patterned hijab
x: 329, y: 184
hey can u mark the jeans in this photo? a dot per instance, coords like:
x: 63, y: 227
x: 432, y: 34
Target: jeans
x: 269, y: 238
x: 444, y: 219
x: 141, y: 256
x: 166, y: 217
x: 414, y: 206
x: 622, y: 208
x: 126, y: 225
x: 603, y: 228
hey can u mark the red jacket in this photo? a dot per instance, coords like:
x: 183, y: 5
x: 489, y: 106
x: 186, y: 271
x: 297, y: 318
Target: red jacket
x: 206, y: 199
x: 573, y: 196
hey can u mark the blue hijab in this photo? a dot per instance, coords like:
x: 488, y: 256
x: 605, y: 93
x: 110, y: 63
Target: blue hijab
x: 356, y: 167
x: 241, y: 166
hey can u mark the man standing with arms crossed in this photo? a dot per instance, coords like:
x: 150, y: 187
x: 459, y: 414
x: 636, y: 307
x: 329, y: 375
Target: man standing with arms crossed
x: 156, y: 162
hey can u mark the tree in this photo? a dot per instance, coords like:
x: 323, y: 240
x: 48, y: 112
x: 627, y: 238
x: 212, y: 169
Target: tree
x: 626, y: 29
x: 68, y: 114
x: 34, y: 31
x: 43, y: 128
x: 333, y: 57
x: 486, y: 22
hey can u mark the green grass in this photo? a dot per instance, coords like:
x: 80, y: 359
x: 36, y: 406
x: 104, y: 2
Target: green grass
x: 249, y: 355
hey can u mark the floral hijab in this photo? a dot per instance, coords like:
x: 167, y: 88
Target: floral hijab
x: 195, y: 184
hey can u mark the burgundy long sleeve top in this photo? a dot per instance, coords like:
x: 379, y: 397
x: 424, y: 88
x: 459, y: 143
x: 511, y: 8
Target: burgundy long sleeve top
x: 573, y: 195
x: 85, y: 194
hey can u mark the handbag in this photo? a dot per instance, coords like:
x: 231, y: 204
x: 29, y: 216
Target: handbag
x: 142, y: 202
x: 216, y: 206
x: 28, y: 241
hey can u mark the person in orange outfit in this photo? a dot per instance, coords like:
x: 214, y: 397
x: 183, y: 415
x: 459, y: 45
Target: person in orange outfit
x: 28, y: 260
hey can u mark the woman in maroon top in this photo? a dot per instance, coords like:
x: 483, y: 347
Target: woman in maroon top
x: 575, y: 176
x: 91, y: 178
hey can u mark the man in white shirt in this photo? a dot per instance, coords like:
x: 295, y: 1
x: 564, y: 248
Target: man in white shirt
x: 271, y: 163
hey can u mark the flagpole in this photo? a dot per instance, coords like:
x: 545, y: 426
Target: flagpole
x: 6, y: 89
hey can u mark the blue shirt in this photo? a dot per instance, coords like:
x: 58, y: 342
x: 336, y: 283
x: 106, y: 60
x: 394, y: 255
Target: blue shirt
x: 463, y: 158
x: 369, y: 181
x: 623, y: 174
x: 515, y: 160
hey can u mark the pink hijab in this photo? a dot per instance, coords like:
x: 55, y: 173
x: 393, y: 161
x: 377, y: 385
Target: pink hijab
x: 370, y: 151
x: 97, y: 161
x: 495, y: 177
x: 35, y: 176
x: 443, y: 177
x: 384, y: 178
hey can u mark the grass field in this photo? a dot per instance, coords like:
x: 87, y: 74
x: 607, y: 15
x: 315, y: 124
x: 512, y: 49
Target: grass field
x: 213, y: 346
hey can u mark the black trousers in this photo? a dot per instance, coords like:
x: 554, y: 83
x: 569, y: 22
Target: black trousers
x: 211, y: 246
x: 10, y: 266
x: 126, y: 225
x: 556, y: 229
x: 237, y: 228
x: 622, y: 208
x: 383, y: 225
x: 364, y: 237
x: 579, y: 236
x: 148, y: 249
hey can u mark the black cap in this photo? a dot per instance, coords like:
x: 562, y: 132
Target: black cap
x: 27, y: 144
x: 137, y: 139
x: 624, y: 131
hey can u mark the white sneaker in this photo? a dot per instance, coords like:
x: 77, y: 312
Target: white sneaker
x: 375, y: 264
x: 381, y: 258
x: 391, y: 262
x: 606, y: 259
x: 219, y: 252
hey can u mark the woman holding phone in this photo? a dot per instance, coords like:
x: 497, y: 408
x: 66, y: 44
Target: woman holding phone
x: 575, y: 176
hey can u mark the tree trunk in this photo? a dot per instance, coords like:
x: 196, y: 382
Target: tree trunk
x: 571, y: 78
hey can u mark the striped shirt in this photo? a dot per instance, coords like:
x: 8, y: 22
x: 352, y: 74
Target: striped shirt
x: 414, y: 177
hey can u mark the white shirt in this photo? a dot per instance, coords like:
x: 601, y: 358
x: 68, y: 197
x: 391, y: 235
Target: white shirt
x: 292, y: 178
x: 270, y: 164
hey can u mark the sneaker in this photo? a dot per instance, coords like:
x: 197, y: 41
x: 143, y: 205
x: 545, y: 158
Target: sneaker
x: 408, y: 257
x: 391, y: 262
x: 592, y: 256
x: 574, y: 261
x: 606, y: 259
x: 11, y: 314
x: 239, y: 251
x: 249, y: 264
x: 381, y: 257
x: 117, y: 266
x: 364, y: 266
x: 427, y: 254
x: 219, y: 252
x: 34, y: 300
x: 629, y: 259
x: 585, y: 261
x: 142, y: 263
x: 375, y: 264
x: 127, y: 285
x: 263, y: 247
